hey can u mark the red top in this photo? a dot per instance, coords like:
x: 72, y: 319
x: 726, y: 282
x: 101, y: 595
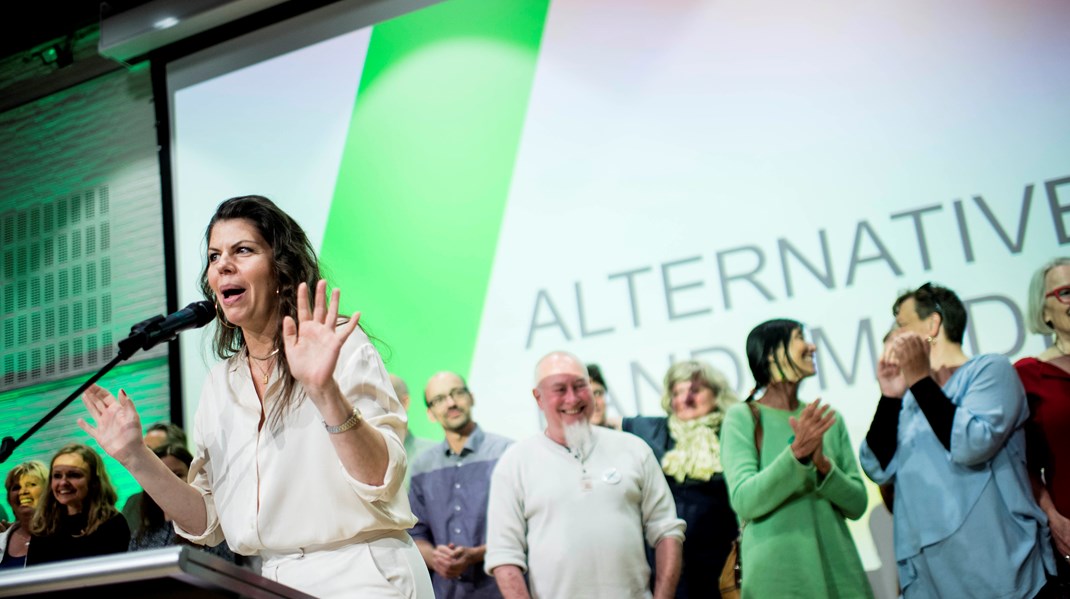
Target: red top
x: 1048, y: 388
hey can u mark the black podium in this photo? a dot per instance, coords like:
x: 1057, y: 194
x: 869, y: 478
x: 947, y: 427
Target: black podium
x: 171, y: 572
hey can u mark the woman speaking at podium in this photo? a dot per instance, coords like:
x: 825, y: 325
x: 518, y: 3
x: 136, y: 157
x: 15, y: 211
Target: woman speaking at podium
x: 298, y: 451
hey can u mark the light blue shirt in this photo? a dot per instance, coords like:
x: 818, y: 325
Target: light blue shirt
x: 966, y: 523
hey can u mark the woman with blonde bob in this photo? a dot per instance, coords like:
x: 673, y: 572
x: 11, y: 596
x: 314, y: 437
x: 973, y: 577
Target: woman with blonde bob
x: 1046, y: 378
x: 78, y: 518
x: 25, y: 484
x: 686, y: 442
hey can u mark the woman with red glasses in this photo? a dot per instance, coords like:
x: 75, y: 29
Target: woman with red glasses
x: 1047, y: 386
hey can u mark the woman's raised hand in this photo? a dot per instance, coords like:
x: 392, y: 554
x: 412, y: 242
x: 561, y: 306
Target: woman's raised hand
x: 118, y: 427
x: 810, y: 426
x: 313, y: 342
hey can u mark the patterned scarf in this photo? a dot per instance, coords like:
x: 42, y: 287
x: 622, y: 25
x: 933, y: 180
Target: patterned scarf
x: 697, y: 454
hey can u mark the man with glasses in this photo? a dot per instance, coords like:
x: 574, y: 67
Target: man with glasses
x: 449, y: 489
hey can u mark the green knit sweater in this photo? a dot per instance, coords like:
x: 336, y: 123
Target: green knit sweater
x: 796, y: 542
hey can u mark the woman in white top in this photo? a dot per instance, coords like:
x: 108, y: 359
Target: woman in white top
x: 298, y: 451
x: 25, y: 484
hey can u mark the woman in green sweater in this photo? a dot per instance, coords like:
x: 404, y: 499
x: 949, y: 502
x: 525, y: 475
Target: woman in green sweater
x: 793, y: 496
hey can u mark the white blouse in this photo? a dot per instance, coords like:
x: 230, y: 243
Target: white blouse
x: 283, y: 488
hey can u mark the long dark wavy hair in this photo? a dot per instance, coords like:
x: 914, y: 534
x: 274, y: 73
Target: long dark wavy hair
x: 99, y: 504
x: 152, y: 516
x: 293, y: 261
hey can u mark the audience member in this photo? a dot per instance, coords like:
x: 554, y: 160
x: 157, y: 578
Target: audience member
x: 156, y: 435
x: 1046, y: 378
x: 414, y: 445
x: 570, y: 507
x: 153, y: 528
x: 949, y: 431
x: 165, y: 433
x: 78, y: 517
x: 25, y: 484
x: 792, y: 477
x: 598, y: 395
x: 686, y: 443
x: 450, y: 485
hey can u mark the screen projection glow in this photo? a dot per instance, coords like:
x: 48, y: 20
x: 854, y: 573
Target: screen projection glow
x: 643, y: 182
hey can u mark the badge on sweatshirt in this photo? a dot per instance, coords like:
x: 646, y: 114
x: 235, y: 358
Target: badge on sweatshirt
x: 611, y: 476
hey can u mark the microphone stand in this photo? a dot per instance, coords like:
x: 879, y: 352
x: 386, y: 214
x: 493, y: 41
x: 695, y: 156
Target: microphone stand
x: 140, y: 338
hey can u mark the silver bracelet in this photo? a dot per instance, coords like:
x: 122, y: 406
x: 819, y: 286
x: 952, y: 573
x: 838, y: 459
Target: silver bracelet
x: 353, y: 421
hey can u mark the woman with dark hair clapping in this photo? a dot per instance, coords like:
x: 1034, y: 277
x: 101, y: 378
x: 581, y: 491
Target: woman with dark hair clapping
x: 792, y: 477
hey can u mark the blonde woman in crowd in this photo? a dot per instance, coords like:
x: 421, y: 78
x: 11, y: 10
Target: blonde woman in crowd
x: 1046, y: 378
x: 25, y: 484
x: 686, y: 443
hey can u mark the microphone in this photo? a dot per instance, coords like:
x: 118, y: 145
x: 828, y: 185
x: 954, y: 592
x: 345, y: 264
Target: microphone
x: 158, y: 329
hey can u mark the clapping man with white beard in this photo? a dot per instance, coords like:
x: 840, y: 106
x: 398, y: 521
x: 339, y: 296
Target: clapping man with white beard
x: 571, y: 506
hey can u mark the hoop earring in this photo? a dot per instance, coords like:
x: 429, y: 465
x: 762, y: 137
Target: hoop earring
x: 222, y: 319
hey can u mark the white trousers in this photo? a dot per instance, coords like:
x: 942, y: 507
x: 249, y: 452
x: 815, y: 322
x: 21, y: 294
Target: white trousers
x: 387, y: 566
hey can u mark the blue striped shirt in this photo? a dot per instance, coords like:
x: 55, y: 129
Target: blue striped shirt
x: 448, y: 493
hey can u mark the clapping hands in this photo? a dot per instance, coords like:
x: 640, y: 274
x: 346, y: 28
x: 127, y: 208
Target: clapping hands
x: 904, y: 362
x: 810, y: 427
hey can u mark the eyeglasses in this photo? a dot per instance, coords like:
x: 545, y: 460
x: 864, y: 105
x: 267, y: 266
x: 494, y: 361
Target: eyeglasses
x: 1060, y: 293
x: 454, y: 394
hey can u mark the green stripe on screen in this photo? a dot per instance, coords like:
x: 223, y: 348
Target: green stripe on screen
x: 424, y: 179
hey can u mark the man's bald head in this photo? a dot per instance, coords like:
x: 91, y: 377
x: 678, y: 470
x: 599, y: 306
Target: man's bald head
x: 559, y: 362
x: 563, y: 392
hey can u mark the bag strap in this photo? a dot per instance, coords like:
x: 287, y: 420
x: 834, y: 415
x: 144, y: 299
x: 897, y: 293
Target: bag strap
x: 757, y: 427
x: 753, y: 405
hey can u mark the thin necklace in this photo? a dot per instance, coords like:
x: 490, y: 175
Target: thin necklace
x: 264, y: 371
